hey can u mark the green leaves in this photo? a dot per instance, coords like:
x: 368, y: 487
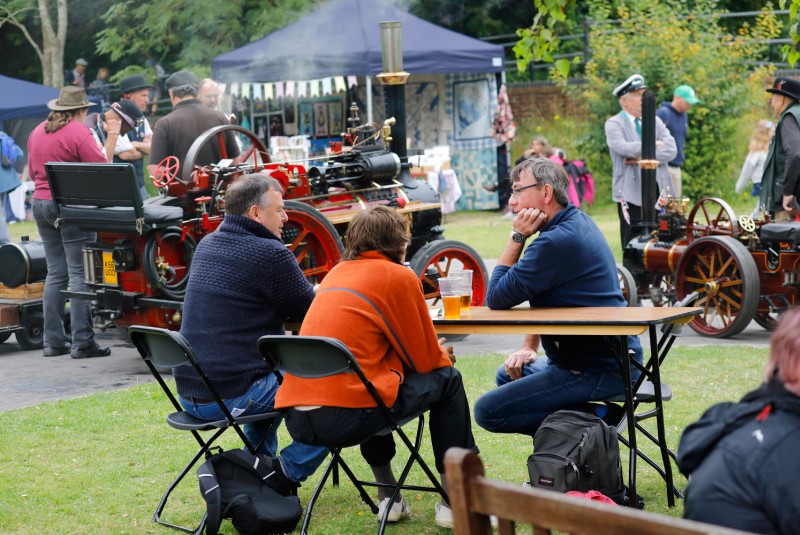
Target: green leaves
x: 540, y: 41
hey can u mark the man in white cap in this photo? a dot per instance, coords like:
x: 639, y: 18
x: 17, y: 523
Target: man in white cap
x: 624, y: 139
x: 77, y: 76
x: 674, y: 116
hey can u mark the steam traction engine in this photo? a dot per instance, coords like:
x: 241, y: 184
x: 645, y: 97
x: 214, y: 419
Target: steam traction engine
x: 140, y: 277
x: 741, y: 269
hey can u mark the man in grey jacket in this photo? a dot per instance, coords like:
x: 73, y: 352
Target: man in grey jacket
x: 623, y: 136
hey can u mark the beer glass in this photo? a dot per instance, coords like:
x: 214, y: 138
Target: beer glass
x: 450, y: 290
x: 466, y: 286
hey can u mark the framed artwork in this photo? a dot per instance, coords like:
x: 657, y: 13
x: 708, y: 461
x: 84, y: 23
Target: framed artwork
x: 335, y: 122
x: 321, y: 119
x: 288, y: 110
x: 305, y: 112
x: 274, y: 104
x: 275, y: 126
x: 472, y: 112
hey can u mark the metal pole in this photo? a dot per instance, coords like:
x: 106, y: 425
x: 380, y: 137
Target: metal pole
x: 648, y: 162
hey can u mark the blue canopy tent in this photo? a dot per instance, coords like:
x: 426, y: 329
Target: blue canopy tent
x: 22, y: 100
x: 343, y: 38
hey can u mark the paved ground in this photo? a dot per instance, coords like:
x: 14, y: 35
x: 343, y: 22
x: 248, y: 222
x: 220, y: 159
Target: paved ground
x: 28, y: 378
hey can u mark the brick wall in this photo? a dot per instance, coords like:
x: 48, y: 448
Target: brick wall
x: 540, y: 101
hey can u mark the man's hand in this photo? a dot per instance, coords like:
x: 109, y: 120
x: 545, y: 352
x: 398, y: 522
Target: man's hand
x: 787, y: 202
x: 528, y: 221
x: 448, y: 350
x: 515, y: 361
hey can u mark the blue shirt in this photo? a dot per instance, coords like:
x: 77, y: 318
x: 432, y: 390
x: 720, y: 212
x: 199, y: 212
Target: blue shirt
x: 678, y: 125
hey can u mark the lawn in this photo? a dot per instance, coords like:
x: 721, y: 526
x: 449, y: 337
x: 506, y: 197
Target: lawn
x: 100, y: 463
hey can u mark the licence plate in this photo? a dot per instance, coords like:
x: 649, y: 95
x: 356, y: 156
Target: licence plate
x: 109, y: 271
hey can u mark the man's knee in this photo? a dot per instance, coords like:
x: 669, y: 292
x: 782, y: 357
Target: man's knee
x: 483, y: 413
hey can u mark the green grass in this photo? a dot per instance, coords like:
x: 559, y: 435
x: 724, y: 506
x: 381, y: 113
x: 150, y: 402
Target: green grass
x: 100, y: 463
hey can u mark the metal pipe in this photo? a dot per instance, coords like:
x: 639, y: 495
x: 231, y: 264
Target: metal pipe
x: 392, y: 46
x: 394, y: 91
x: 648, y: 162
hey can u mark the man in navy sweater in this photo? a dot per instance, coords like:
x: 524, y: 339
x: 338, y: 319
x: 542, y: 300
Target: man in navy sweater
x: 674, y: 116
x: 244, y: 284
x: 569, y: 265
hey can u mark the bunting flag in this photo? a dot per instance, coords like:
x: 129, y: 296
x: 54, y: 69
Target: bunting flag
x: 662, y: 199
x: 279, y: 90
x: 314, y: 88
x: 352, y: 81
x: 301, y: 89
x: 290, y: 89
x: 268, y: 94
x: 245, y: 90
x: 625, y: 215
x: 235, y: 89
x: 327, y: 86
x: 339, y: 84
x: 258, y: 91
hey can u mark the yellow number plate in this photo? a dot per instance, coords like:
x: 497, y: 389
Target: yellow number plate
x: 109, y: 271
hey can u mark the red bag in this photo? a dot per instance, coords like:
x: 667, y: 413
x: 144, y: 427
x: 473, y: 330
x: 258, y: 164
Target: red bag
x: 592, y: 495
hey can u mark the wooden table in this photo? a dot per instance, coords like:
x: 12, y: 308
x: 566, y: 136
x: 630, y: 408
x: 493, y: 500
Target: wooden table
x: 609, y: 321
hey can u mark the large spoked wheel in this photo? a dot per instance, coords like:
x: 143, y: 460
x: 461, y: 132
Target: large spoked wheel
x: 313, y: 240
x: 767, y: 320
x: 722, y: 270
x: 439, y: 258
x: 216, y: 136
x: 628, y: 286
x: 711, y: 217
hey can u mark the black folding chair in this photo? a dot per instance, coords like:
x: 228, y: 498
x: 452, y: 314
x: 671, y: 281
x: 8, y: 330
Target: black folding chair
x: 165, y: 349
x: 645, y: 392
x: 313, y: 357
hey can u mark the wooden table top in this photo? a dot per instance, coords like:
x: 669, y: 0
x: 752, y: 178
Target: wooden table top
x: 554, y: 321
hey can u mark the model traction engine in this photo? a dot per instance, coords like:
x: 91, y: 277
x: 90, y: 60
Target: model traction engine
x: 140, y: 277
x: 741, y: 268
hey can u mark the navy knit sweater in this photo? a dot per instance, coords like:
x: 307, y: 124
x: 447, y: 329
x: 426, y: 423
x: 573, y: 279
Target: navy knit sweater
x: 678, y: 125
x: 568, y: 265
x: 243, y: 284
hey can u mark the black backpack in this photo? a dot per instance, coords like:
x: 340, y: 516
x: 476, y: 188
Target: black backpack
x: 577, y: 451
x: 232, y: 484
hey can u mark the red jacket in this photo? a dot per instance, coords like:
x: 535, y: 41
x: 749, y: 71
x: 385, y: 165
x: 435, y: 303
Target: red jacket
x: 397, y: 292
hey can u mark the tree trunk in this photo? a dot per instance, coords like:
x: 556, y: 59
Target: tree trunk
x: 53, y: 42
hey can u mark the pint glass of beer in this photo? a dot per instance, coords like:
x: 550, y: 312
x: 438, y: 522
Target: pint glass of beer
x: 465, y: 275
x: 450, y: 290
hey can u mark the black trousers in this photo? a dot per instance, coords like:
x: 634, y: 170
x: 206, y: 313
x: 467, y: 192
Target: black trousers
x: 626, y: 229
x: 440, y: 391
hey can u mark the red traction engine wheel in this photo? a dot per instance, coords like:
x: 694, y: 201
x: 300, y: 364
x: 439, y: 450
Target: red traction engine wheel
x: 313, y: 240
x: 439, y: 258
x: 723, y: 271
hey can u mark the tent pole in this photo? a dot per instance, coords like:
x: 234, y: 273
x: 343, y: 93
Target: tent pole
x: 369, y: 98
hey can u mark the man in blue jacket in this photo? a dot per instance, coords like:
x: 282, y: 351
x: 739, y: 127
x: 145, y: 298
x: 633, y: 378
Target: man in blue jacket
x: 674, y: 116
x: 569, y: 265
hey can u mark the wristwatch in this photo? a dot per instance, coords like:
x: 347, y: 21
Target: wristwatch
x: 518, y: 237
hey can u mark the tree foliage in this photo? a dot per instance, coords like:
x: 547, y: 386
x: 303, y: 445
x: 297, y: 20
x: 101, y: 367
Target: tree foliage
x: 44, y: 26
x: 670, y: 45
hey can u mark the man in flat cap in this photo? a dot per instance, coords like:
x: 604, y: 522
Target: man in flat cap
x: 77, y: 76
x: 780, y: 184
x: 624, y: 139
x: 174, y: 134
x: 118, y: 120
x: 674, y: 116
x: 133, y: 147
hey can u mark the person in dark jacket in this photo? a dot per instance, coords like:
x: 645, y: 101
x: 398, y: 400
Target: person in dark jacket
x: 742, y: 458
x: 781, y: 181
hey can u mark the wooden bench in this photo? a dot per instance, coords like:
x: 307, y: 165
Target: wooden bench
x: 474, y: 498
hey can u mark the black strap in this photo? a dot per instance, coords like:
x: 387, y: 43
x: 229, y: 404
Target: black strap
x: 407, y: 361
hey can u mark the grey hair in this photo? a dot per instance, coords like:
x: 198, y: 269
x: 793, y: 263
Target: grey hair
x: 249, y: 190
x: 545, y: 171
x: 185, y: 90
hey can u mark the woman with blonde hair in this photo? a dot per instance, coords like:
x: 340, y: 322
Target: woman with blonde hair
x: 742, y: 457
x: 753, y: 167
x: 63, y: 138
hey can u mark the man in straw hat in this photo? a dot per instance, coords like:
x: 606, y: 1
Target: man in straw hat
x: 779, y: 185
x: 63, y: 138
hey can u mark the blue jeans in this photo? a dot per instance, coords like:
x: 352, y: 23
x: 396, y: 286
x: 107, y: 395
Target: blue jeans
x: 63, y: 249
x: 521, y: 405
x: 298, y: 460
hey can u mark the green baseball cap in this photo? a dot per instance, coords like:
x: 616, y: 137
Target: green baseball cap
x: 686, y: 93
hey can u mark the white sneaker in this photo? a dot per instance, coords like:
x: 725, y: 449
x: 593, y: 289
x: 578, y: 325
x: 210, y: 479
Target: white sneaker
x: 398, y: 512
x: 444, y: 516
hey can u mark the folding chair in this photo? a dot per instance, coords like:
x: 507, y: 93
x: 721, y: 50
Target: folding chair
x: 645, y: 392
x: 165, y: 349
x: 313, y: 357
